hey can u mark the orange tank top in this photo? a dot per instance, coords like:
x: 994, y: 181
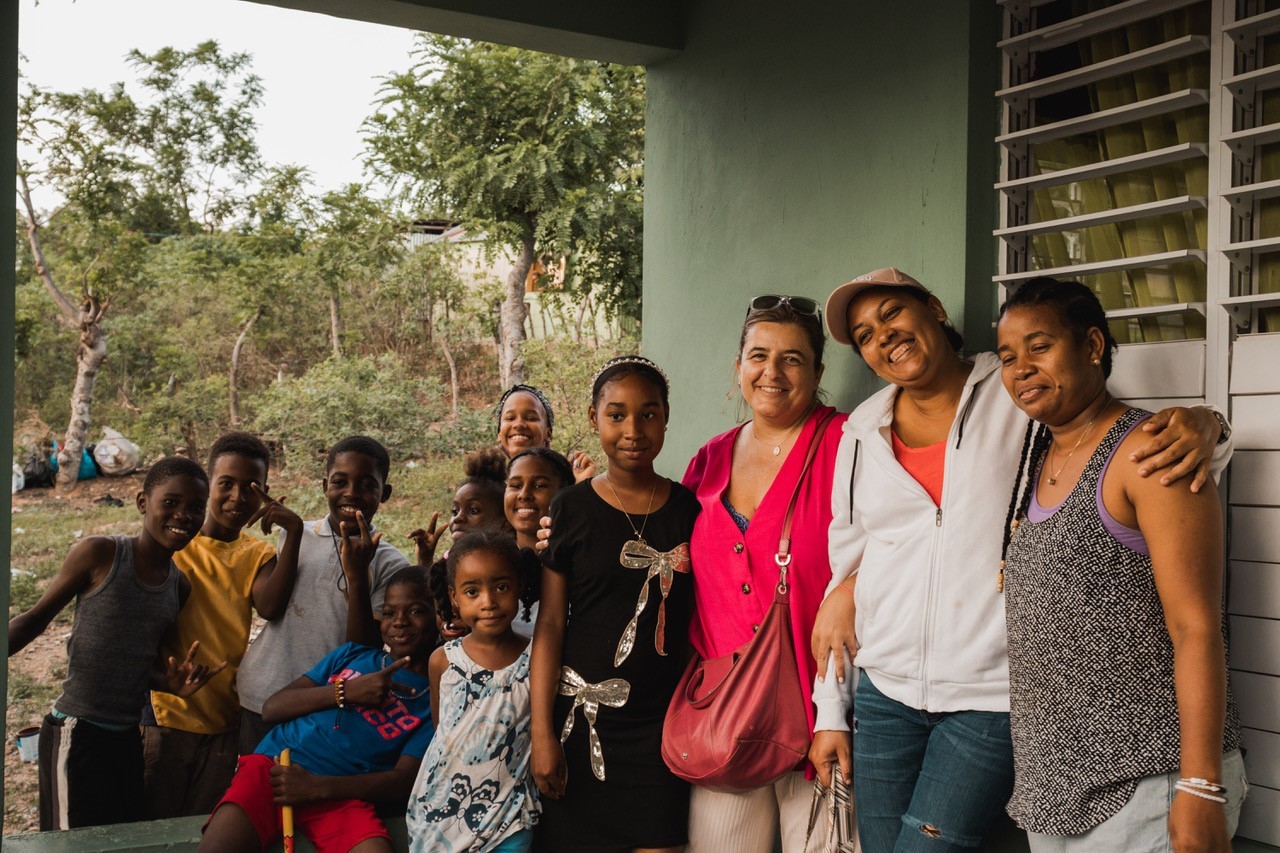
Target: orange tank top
x: 924, y: 464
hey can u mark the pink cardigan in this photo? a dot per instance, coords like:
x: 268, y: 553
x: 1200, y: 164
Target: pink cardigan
x: 734, y: 573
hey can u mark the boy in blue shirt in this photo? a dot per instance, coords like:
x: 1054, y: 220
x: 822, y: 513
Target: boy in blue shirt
x: 356, y: 725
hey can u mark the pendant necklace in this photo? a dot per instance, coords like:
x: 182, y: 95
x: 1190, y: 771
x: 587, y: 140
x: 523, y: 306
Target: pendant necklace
x: 648, y: 509
x: 791, y: 431
x: 1053, y: 477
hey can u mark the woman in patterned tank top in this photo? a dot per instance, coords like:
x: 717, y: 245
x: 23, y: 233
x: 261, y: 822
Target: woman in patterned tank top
x: 1124, y: 733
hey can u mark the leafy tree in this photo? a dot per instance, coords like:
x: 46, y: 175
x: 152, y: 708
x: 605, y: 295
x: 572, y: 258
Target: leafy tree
x: 541, y: 152
x: 126, y: 172
x: 427, y: 291
x: 356, y: 239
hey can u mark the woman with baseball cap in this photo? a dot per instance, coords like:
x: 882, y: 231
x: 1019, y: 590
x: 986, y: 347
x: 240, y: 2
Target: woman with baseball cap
x: 922, y: 475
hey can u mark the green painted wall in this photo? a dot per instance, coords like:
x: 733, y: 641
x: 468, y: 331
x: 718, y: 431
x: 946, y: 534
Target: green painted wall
x: 794, y: 156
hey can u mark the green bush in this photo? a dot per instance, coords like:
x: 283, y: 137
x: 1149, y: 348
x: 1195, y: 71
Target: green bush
x: 378, y: 397
x: 473, y: 429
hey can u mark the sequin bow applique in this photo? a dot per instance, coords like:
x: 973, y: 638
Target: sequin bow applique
x: 637, y: 554
x: 613, y: 692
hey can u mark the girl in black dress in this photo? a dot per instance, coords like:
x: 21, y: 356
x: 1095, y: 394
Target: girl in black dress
x: 612, y: 632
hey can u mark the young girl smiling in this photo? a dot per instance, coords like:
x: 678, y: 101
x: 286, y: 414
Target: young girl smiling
x: 533, y: 479
x: 619, y: 561
x: 474, y: 791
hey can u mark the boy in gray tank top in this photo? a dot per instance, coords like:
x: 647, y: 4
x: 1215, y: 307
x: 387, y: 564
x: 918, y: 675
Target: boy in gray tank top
x: 128, y: 594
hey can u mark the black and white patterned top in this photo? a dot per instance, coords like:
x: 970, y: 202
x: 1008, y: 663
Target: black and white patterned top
x: 1093, y: 707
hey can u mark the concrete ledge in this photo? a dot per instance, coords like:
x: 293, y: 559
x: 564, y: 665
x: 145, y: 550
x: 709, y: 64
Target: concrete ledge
x: 180, y: 834
x: 183, y: 834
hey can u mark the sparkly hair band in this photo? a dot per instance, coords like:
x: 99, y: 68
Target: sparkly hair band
x: 630, y: 359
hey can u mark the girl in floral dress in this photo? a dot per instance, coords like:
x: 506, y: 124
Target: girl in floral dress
x: 473, y: 791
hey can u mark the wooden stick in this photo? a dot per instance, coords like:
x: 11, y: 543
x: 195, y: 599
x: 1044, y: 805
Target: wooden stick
x: 286, y: 812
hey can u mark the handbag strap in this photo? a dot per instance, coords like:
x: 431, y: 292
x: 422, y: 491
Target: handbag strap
x: 783, y: 557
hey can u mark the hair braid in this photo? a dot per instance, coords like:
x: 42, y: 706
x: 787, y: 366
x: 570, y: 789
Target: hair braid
x: 1034, y: 444
x: 438, y: 585
x: 1013, y: 497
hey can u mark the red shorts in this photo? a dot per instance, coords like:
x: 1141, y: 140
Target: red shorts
x: 330, y: 824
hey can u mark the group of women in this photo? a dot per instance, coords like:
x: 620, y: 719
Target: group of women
x: 1011, y: 595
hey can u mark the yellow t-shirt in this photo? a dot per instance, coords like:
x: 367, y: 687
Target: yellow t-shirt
x: 218, y: 614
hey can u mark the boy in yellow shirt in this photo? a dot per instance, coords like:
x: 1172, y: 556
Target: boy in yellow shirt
x: 190, y: 745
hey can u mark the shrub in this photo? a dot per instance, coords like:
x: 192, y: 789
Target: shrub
x: 473, y: 429
x: 378, y: 397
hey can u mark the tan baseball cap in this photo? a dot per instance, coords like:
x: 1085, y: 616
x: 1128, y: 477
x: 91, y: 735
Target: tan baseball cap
x: 838, y: 301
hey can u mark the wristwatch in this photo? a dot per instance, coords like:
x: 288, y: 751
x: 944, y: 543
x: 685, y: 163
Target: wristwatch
x: 1224, y: 424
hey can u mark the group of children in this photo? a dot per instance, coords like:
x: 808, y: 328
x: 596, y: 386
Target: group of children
x: 386, y: 683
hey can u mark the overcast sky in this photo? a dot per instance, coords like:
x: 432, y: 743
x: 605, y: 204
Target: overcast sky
x: 320, y: 73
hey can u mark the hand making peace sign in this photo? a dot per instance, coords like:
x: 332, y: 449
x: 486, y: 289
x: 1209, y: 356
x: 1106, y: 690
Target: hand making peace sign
x: 272, y: 512
x: 373, y: 688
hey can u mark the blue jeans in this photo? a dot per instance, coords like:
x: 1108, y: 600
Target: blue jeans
x: 1142, y: 825
x: 926, y: 782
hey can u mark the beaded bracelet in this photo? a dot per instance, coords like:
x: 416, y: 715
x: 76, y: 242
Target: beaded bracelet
x: 340, y: 692
x: 1203, y: 784
x: 1187, y: 789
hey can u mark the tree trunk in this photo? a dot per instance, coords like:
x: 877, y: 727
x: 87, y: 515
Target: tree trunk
x: 91, y: 349
x: 233, y: 392
x: 453, y: 370
x: 335, y: 326
x: 91, y: 353
x: 512, y: 317
x: 71, y: 315
x: 582, y: 312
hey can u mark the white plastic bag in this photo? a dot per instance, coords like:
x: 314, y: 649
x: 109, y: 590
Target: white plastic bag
x: 115, y: 454
x: 19, y: 481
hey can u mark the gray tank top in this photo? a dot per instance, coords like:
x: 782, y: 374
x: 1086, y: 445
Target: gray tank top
x: 1091, y: 692
x: 114, y: 642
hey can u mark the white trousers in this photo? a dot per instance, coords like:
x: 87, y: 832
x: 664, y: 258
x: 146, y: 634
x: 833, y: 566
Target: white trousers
x: 749, y: 822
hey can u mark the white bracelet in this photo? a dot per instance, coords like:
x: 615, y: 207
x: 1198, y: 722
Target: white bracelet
x: 1203, y: 785
x: 1186, y: 789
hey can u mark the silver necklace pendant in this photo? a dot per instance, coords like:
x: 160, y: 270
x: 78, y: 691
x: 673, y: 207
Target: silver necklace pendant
x: 777, y: 450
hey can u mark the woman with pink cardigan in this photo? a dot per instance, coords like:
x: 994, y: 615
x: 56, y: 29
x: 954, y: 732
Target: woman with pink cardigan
x: 744, y: 479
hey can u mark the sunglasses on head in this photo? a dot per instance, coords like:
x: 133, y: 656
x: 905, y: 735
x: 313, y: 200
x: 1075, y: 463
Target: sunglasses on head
x: 800, y: 304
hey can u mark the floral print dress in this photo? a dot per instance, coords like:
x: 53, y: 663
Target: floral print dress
x: 474, y: 788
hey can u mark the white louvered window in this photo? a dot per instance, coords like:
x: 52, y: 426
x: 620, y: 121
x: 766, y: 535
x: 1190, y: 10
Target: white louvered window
x: 1140, y: 154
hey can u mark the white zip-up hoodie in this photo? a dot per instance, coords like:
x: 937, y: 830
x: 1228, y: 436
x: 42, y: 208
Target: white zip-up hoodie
x: 930, y: 619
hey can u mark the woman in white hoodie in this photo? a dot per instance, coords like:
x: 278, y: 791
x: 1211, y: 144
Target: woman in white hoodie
x: 921, y: 493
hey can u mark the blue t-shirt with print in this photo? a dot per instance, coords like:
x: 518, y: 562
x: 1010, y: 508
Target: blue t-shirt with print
x: 358, y: 738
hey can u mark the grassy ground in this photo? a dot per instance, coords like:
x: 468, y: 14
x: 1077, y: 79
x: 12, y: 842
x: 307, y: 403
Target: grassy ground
x: 45, y: 525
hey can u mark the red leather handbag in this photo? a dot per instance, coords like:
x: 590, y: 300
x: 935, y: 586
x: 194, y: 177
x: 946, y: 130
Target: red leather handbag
x: 738, y: 722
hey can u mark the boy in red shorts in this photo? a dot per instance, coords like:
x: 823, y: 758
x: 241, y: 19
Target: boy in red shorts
x: 356, y: 725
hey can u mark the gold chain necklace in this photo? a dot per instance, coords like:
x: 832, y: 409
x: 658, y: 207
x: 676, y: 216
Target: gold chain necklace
x: 647, y: 510
x: 1053, y: 478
